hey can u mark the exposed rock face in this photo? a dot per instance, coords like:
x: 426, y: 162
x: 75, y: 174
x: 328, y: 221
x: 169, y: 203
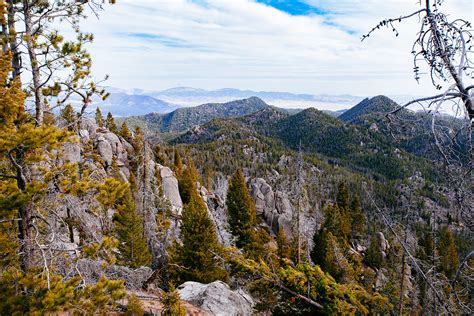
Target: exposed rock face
x: 217, y: 298
x: 384, y: 246
x: 71, y: 152
x: 91, y: 271
x: 170, y: 189
x: 274, y: 207
x: 215, y: 202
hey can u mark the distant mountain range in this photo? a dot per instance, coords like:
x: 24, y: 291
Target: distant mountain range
x: 170, y: 99
x: 122, y: 104
x: 136, y: 102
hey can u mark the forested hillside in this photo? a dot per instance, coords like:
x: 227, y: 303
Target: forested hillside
x: 239, y: 208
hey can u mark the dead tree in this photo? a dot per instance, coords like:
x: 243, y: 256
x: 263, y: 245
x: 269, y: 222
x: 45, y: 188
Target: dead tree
x: 444, y: 47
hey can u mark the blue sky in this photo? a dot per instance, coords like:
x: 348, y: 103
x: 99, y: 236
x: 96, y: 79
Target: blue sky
x: 294, y: 7
x: 301, y: 46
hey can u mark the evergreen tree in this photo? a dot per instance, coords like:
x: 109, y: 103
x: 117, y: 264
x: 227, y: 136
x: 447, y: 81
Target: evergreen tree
x: 193, y: 260
x: 337, y: 222
x: 178, y: 163
x: 114, y: 170
x: 241, y: 210
x: 342, y: 198
x: 69, y: 116
x: 134, y: 307
x: 284, y: 250
x: 110, y: 123
x: 99, y: 118
x: 448, y: 252
x: 373, y: 255
x: 133, y: 248
x: 187, y: 182
x: 26, y: 286
x: 357, y: 218
x: 159, y: 157
x: 125, y: 132
x: 172, y: 303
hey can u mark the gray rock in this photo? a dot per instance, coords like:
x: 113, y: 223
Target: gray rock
x: 170, y: 189
x: 105, y: 150
x: 90, y: 126
x: 72, y: 152
x: 274, y: 207
x: 217, y: 298
x: 92, y: 270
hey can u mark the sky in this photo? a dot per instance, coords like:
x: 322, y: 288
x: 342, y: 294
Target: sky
x: 299, y: 46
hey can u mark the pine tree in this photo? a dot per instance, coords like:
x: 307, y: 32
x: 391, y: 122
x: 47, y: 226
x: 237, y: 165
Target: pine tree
x: 241, y: 210
x: 187, y: 182
x: 373, y: 255
x: 99, y: 118
x: 448, y: 253
x: 159, y: 157
x: 110, y: 123
x: 178, y: 163
x: 69, y: 116
x: 26, y: 286
x: 133, y: 248
x: 357, y: 218
x: 125, y: 132
x: 342, y: 198
x: 22, y: 145
x: 134, y: 306
x: 172, y: 303
x: 193, y: 260
x: 284, y: 250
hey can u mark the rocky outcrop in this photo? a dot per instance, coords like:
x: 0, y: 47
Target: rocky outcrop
x: 215, y: 202
x: 170, y: 188
x: 384, y: 246
x: 274, y: 207
x: 92, y: 270
x: 217, y: 298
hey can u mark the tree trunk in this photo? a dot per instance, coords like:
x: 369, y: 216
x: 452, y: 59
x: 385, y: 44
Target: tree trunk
x: 13, y: 40
x: 25, y: 233
x: 35, y: 70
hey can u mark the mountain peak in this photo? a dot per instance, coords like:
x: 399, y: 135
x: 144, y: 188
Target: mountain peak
x: 377, y: 104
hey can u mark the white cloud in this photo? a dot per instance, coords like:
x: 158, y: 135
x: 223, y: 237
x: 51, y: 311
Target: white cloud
x: 243, y: 44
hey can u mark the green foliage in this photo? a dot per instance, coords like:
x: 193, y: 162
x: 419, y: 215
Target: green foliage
x: 110, y: 123
x: 99, y: 118
x: 373, y: 256
x: 178, y: 163
x: 448, y: 252
x: 194, y: 259
x: 159, y: 156
x: 35, y: 294
x: 125, y: 132
x: 134, y: 306
x: 172, y: 303
x: 310, y: 282
x: 241, y: 210
x: 69, y: 116
x: 133, y: 248
x: 284, y: 251
x: 342, y: 198
x: 187, y: 182
x: 358, y: 219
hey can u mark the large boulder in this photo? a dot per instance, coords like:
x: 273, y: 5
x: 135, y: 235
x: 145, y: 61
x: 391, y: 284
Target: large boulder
x: 217, y: 298
x: 169, y: 184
